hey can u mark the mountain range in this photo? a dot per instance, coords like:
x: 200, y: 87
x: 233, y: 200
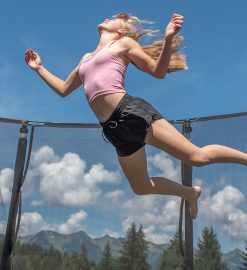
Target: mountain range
x: 73, y: 242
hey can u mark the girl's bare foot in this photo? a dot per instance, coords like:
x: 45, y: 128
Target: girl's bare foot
x: 195, y: 193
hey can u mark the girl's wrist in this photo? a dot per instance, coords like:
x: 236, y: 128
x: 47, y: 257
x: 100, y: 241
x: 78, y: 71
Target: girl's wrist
x: 168, y: 38
x: 39, y: 69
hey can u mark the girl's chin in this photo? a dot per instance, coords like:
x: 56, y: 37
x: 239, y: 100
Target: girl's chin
x: 101, y: 27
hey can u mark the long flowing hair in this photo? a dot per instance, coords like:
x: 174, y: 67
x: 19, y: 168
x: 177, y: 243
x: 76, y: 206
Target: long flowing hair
x: 135, y: 29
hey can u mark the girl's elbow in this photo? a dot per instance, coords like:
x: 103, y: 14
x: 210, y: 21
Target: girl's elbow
x: 160, y: 76
x: 59, y: 92
x: 64, y: 90
x: 62, y: 93
x: 65, y: 94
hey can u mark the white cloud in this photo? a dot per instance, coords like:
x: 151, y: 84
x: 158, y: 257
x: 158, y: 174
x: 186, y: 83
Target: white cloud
x: 43, y: 155
x: 152, y: 236
x: 169, y: 217
x: 158, y: 220
x: 166, y: 165
x: 141, y: 210
x: 35, y: 203
x: 64, y: 181
x: 223, y: 207
x: 98, y: 175
x: 159, y: 215
x: 114, y: 195
x: 6, y: 183
x: 237, y: 224
x: 222, y: 204
x: 112, y: 233
x: 31, y: 223
x: 74, y: 223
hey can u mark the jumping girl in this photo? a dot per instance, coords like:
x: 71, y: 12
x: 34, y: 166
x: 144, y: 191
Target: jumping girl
x: 130, y: 122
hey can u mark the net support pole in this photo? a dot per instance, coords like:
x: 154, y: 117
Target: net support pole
x: 12, y: 224
x: 187, y: 181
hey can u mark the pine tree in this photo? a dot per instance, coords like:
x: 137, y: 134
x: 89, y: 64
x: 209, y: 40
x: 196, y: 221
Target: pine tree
x: 208, y: 255
x: 142, y: 251
x: 172, y: 258
x: 66, y: 261
x: 244, y: 258
x: 106, y: 260
x: 84, y: 263
x: 134, y: 251
x: 126, y: 259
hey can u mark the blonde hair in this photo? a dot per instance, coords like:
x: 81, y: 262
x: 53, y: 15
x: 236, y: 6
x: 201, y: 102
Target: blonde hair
x: 134, y: 27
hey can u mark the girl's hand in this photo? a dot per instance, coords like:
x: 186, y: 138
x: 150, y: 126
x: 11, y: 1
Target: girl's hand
x: 33, y: 59
x: 174, y: 26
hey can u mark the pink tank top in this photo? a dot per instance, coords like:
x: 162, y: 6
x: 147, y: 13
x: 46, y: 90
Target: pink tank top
x: 102, y: 74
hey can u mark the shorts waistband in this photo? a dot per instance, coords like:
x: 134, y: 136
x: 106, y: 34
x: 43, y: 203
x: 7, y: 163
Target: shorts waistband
x: 118, y: 108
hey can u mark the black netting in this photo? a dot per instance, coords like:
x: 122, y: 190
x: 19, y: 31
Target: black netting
x: 75, y: 194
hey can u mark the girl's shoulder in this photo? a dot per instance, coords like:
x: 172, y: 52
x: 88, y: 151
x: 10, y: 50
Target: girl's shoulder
x: 118, y: 49
x: 126, y: 42
x: 85, y: 56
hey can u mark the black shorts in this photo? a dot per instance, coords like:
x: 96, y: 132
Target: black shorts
x: 126, y: 128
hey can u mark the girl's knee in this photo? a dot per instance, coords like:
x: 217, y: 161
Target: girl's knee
x: 141, y: 187
x: 199, y: 158
x: 139, y: 191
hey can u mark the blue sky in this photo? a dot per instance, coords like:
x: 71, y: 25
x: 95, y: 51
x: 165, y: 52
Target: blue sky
x: 61, y: 32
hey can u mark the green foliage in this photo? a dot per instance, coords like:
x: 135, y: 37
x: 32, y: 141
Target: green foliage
x: 244, y: 258
x: 132, y: 256
x: 208, y: 255
x: 106, y: 260
x: 27, y: 257
x: 34, y: 257
x: 83, y: 262
x: 171, y: 258
x: 134, y: 252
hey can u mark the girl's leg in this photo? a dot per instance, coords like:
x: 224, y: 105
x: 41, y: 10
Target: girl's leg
x: 163, y: 135
x: 135, y: 169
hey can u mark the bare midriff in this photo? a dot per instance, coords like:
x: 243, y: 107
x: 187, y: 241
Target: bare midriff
x: 103, y: 106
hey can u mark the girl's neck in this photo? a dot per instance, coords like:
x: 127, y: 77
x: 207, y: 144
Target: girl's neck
x: 105, y: 39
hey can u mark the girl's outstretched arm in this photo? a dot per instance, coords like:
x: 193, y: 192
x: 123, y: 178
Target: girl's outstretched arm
x: 61, y: 87
x: 157, y: 68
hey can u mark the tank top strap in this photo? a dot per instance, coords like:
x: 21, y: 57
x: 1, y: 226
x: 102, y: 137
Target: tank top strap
x: 111, y: 43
